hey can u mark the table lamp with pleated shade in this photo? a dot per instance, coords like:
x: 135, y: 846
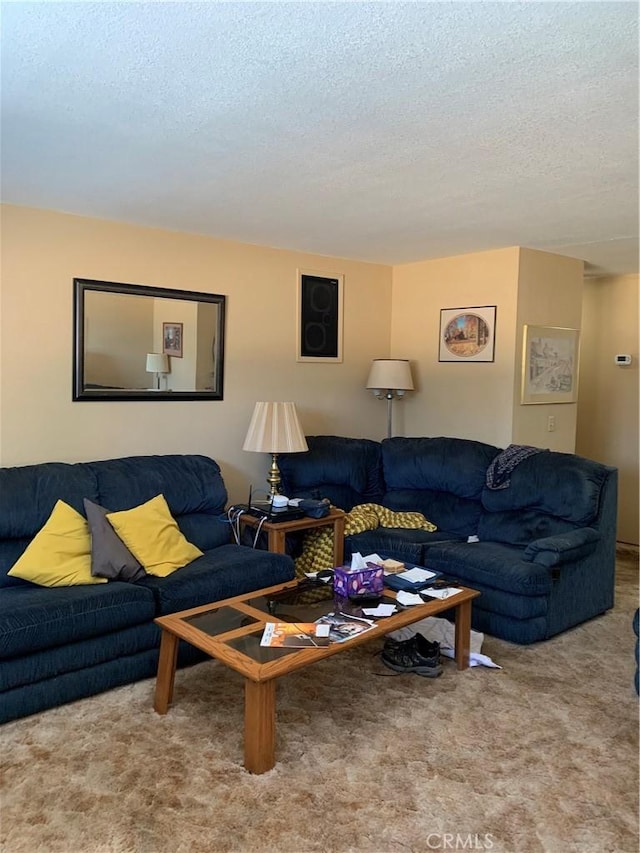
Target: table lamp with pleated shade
x: 275, y: 429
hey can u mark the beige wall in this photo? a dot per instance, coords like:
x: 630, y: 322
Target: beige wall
x: 549, y: 294
x: 457, y: 399
x: 207, y: 324
x: 481, y: 400
x: 43, y: 251
x: 111, y: 317
x: 608, y: 406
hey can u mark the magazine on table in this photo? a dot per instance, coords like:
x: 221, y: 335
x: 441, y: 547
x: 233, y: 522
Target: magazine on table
x: 295, y: 635
x: 343, y: 626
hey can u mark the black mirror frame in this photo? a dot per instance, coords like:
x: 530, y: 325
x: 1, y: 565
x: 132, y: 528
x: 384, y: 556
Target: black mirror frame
x: 82, y: 394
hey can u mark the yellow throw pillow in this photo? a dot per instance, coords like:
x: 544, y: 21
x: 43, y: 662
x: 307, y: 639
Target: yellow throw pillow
x: 152, y: 535
x: 60, y: 554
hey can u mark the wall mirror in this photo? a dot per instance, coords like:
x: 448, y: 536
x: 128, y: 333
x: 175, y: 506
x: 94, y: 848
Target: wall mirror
x: 133, y: 342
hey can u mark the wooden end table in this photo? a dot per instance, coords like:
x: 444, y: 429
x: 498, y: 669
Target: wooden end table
x: 277, y: 531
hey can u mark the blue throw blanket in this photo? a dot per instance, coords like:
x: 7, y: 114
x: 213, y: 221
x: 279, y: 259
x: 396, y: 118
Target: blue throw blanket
x: 499, y: 471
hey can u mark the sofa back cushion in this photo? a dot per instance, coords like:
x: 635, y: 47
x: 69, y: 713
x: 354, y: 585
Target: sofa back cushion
x: 560, y: 484
x: 454, y: 465
x: 28, y: 495
x: 549, y: 494
x: 192, y: 486
x: 520, y: 526
x: 440, y: 477
x: 450, y: 514
x: 348, y: 471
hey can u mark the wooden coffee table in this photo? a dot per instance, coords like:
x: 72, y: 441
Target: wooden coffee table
x: 230, y: 631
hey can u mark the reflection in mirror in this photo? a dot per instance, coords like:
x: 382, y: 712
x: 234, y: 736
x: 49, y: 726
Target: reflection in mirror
x: 133, y: 342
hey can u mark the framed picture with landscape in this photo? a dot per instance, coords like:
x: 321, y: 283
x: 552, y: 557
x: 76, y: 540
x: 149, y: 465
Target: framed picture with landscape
x: 172, y: 339
x: 549, y: 365
x: 467, y: 334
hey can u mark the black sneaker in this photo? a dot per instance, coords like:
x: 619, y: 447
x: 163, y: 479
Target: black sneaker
x: 427, y: 649
x: 414, y: 655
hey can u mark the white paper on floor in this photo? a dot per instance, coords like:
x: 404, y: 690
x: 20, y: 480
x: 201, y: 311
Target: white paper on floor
x: 442, y: 631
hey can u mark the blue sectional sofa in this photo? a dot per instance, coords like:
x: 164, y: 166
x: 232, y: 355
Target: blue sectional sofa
x: 545, y: 556
x: 58, y: 644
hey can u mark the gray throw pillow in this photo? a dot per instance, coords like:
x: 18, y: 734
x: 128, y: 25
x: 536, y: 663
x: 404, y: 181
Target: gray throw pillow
x: 110, y: 557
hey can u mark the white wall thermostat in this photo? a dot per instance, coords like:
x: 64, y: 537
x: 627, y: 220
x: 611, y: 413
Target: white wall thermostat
x: 622, y: 359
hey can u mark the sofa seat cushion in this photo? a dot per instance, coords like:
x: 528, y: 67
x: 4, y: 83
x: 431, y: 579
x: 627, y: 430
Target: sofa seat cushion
x: 491, y: 564
x: 397, y: 543
x: 71, y: 657
x: 33, y: 618
x: 221, y: 573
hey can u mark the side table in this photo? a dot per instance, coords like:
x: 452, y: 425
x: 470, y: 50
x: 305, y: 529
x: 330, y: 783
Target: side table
x: 277, y: 531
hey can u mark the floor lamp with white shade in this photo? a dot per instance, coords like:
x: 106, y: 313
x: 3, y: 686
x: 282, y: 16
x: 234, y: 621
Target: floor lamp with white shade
x: 389, y: 379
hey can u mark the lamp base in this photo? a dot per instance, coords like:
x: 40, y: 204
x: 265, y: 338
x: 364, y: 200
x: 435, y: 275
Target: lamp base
x: 389, y: 396
x: 274, y: 479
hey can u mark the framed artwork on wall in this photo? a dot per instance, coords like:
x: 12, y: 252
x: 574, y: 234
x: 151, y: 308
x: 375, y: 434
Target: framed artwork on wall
x: 172, y: 339
x: 467, y: 334
x: 320, y: 298
x: 549, y: 365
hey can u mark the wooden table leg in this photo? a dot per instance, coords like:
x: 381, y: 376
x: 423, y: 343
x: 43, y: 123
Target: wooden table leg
x: 338, y: 541
x: 276, y: 541
x: 259, y: 725
x: 166, y: 672
x: 463, y: 634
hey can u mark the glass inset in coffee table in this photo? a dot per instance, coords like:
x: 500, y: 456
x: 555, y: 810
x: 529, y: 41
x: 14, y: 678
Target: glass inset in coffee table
x: 230, y: 631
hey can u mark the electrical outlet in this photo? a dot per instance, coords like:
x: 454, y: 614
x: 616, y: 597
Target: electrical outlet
x: 551, y: 423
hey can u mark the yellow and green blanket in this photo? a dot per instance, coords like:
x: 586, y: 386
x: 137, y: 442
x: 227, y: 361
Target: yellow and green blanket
x: 317, y: 546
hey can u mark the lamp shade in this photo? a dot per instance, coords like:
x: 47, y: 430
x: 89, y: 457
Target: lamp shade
x: 157, y: 362
x: 275, y: 428
x: 390, y: 373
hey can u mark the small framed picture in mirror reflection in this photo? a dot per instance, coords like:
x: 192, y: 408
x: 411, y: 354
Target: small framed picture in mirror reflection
x: 172, y: 339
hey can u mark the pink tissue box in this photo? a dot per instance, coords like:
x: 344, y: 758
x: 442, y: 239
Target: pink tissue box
x: 359, y: 582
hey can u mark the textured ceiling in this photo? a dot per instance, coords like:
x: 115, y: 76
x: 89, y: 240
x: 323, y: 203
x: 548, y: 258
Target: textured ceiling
x: 388, y: 132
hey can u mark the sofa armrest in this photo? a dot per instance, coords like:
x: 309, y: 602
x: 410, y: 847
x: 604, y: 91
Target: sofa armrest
x: 563, y: 548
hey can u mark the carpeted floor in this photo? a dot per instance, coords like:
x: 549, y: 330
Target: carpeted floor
x: 539, y: 756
